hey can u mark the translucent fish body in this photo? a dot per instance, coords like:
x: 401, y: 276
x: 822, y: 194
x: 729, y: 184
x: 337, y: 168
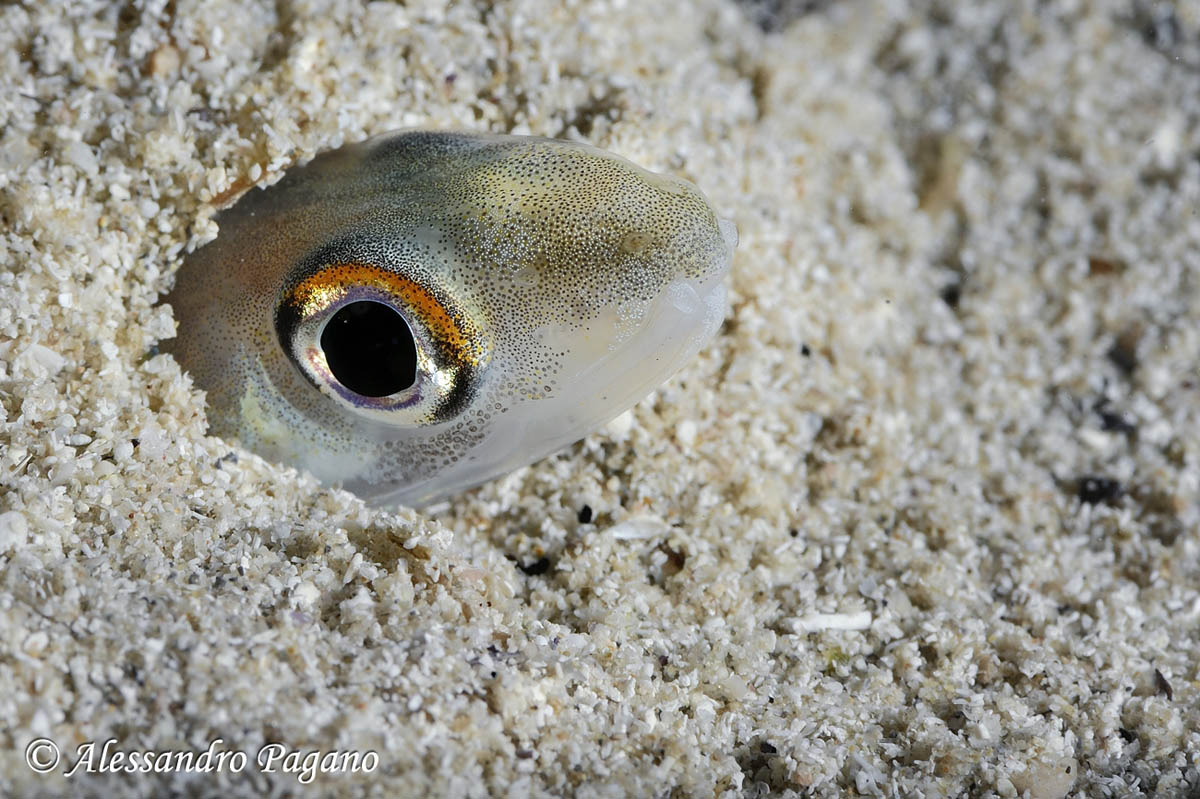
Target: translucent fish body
x: 421, y: 312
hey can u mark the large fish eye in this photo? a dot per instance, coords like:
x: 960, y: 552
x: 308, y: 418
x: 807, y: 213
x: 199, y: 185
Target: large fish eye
x: 381, y: 343
x: 370, y: 349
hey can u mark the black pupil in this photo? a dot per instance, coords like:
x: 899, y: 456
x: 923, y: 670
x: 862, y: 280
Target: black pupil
x: 370, y: 349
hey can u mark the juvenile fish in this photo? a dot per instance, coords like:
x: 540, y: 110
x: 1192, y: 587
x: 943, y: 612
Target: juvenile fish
x: 421, y: 312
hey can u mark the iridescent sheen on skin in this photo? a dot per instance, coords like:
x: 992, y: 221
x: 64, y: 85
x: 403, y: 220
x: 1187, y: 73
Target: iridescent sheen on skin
x: 547, y: 286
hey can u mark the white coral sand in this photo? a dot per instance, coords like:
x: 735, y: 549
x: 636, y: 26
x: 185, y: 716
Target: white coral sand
x: 922, y: 521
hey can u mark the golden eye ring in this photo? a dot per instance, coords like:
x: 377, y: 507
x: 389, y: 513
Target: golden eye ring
x: 421, y: 335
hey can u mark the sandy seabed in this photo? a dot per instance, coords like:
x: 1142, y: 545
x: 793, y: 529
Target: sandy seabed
x: 922, y: 521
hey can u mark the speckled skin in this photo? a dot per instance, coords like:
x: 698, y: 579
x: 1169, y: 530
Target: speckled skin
x: 549, y: 286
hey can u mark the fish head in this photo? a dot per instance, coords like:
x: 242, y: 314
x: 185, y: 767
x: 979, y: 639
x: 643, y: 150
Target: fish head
x: 418, y: 313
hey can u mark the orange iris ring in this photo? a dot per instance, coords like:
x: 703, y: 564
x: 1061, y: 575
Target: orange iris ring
x: 460, y: 346
x: 457, y: 338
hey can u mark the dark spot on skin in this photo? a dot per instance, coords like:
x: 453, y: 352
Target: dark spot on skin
x: 585, y: 514
x: 805, y: 351
x: 538, y: 567
x: 1093, y: 489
